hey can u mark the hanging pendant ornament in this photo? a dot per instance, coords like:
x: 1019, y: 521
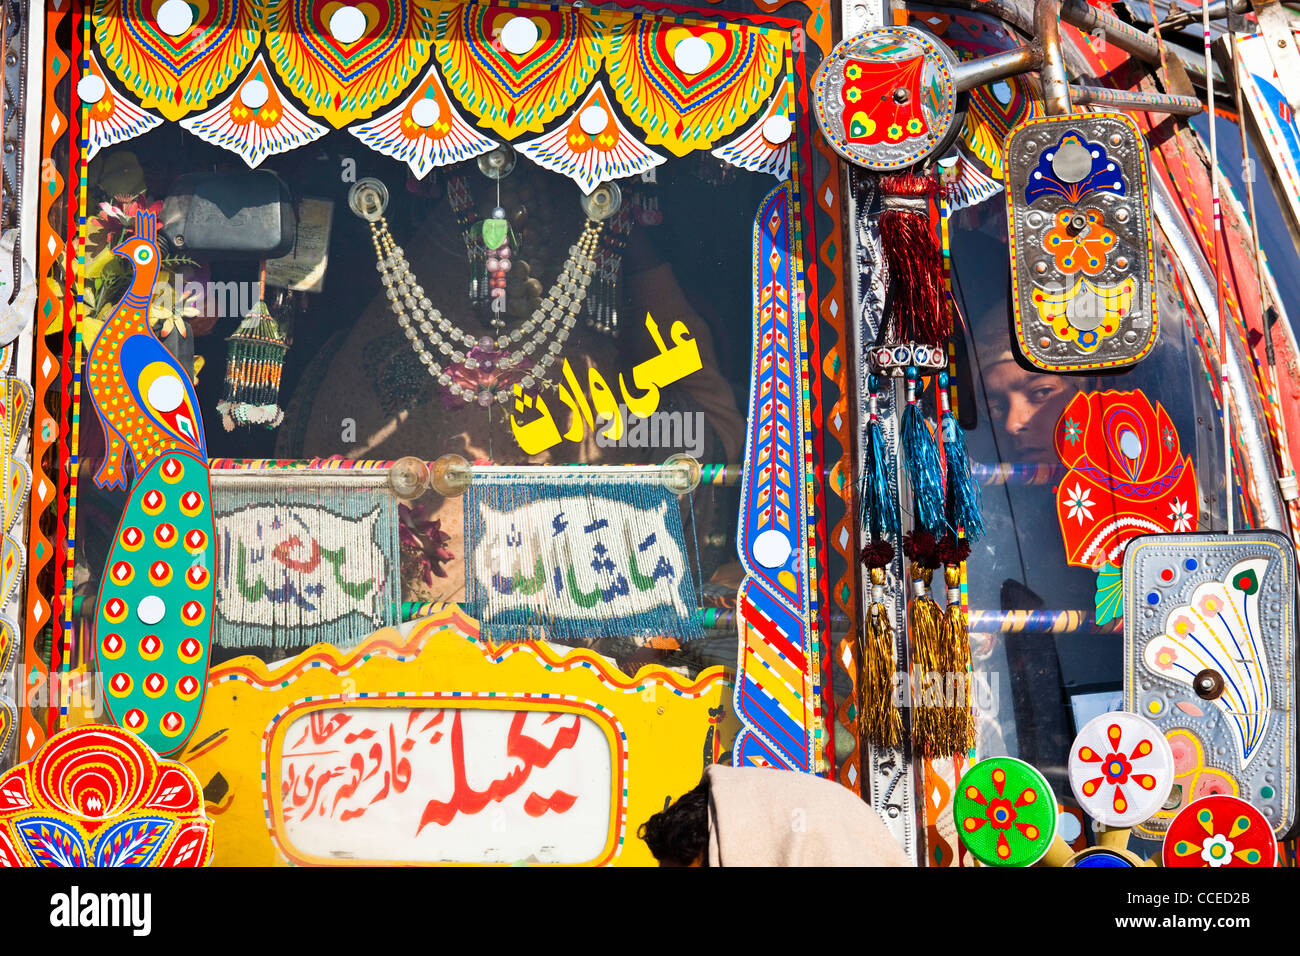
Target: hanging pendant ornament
x: 495, y: 237
x: 461, y: 199
x: 1080, y: 231
x: 254, y: 368
x: 602, y: 303
x: 479, y: 369
x: 499, y: 243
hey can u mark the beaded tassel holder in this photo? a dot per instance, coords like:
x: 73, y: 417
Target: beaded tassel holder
x: 254, y: 368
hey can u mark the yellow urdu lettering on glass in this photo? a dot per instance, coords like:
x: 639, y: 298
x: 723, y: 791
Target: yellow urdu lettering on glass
x: 602, y: 410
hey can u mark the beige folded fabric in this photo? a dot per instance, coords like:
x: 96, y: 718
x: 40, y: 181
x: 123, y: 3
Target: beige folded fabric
x: 763, y: 817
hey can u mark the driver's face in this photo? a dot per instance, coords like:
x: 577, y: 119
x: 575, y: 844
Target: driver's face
x: 1025, y: 406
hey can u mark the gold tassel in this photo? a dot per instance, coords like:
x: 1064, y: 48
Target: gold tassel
x: 878, y: 718
x: 959, y: 723
x: 929, y: 660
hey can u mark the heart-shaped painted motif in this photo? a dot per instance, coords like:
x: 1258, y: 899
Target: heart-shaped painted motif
x: 549, y: 26
x: 213, y: 21
x: 386, y: 26
x: 727, y: 50
x: 518, y: 74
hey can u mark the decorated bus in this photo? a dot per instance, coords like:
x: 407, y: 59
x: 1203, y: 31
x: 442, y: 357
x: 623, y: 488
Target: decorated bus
x: 437, y: 431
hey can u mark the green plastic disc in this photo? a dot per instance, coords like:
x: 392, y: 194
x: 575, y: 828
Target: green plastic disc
x: 1005, y: 812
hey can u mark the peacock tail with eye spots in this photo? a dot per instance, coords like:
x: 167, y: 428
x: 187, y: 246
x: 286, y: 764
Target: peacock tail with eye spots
x: 153, y: 624
x: 156, y: 599
x: 141, y: 393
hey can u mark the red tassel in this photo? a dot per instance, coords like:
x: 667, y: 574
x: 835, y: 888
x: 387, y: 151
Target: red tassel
x: 915, y: 313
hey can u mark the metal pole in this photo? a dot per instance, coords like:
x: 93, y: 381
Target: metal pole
x: 986, y: 69
x: 1051, y: 70
x: 1136, y: 101
x: 1225, y: 390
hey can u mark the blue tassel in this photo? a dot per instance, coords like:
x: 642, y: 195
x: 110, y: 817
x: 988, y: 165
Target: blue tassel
x: 964, y: 498
x: 923, y: 469
x: 879, y: 510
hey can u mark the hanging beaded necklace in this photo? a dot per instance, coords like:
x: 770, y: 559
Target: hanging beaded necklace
x: 495, y: 363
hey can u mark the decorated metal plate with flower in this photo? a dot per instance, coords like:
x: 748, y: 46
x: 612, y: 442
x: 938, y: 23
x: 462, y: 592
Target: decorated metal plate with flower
x: 1209, y: 646
x: 1220, y: 831
x: 885, y: 99
x: 1121, y: 769
x: 1079, y: 217
x: 1005, y: 812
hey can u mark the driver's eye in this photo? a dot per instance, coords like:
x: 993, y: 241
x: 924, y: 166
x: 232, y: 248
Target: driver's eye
x: 1043, y: 394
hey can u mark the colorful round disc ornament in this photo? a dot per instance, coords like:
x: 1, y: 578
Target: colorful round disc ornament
x: 1220, y: 831
x: 1005, y: 812
x: 885, y: 99
x: 1096, y: 856
x: 1121, y: 769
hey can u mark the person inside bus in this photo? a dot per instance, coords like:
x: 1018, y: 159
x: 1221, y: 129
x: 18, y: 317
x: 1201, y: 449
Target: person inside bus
x: 1023, y: 407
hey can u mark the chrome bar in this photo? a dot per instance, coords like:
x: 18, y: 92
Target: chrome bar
x: 1137, y: 101
x: 1078, y: 13
x: 1051, y: 69
x: 972, y: 73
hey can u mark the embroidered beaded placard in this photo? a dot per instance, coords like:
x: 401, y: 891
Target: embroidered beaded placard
x: 573, y: 558
x: 298, y: 566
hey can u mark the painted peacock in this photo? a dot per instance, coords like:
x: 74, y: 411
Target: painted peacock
x: 153, y: 623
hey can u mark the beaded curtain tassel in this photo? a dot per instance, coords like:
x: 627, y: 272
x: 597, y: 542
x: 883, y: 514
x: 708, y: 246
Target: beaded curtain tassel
x: 921, y: 457
x: 962, y: 493
x: 915, y: 311
x: 931, y: 663
x: 879, y: 720
x: 956, y: 723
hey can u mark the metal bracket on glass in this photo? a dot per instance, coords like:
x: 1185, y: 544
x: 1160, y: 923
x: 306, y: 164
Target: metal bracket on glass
x: 451, y: 475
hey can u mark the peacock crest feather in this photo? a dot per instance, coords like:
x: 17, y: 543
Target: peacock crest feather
x: 1219, y: 629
